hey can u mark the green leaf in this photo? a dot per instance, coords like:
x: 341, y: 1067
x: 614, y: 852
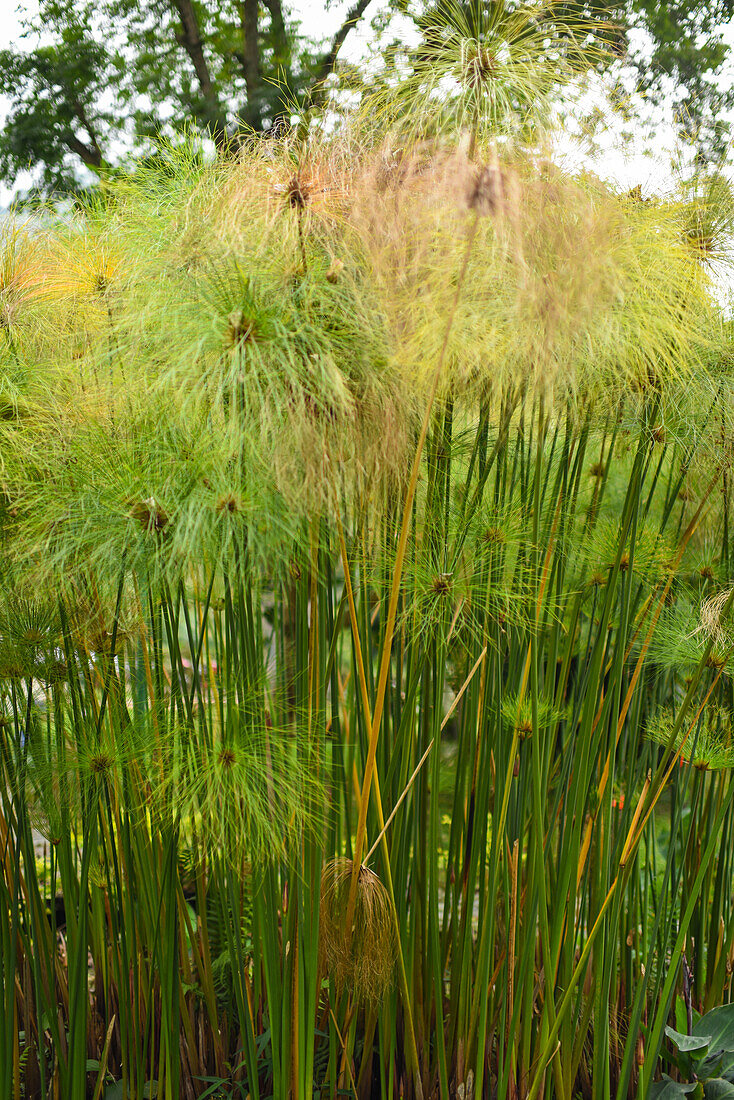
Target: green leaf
x: 669, y: 1090
x: 219, y: 1083
x: 712, y: 1065
x: 719, y: 1024
x: 718, y: 1089
x: 688, y: 1044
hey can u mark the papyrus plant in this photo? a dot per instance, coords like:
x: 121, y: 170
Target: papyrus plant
x: 355, y: 495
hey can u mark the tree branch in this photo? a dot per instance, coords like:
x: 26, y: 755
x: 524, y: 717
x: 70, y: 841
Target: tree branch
x: 94, y: 149
x: 89, y: 155
x: 190, y: 39
x: 283, y: 59
x: 328, y: 61
x: 251, y: 61
x: 282, y: 49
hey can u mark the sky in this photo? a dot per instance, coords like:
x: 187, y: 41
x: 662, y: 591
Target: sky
x: 9, y: 26
x: 626, y: 163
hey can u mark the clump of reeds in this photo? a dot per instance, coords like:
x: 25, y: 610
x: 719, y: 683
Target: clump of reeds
x: 360, y: 492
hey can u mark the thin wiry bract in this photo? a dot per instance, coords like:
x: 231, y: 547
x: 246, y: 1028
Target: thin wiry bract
x: 484, y: 69
x: 709, y: 746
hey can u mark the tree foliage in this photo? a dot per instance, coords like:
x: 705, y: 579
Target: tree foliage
x: 93, y: 79
x: 90, y: 80
x: 689, y: 53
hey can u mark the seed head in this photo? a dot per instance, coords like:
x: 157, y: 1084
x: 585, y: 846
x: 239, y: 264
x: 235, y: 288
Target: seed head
x: 240, y: 329
x: 100, y: 763
x: 150, y: 515
x: 227, y: 758
x: 481, y: 66
x: 297, y: 193
x: 487, y: 192
x: 335, y: 270
x: 441, y: 584
x: 493, y: 535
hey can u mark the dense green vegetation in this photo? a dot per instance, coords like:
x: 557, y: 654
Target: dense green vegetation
x: 364, y: 620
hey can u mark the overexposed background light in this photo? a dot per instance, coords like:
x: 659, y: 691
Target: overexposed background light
x: 628, y: 153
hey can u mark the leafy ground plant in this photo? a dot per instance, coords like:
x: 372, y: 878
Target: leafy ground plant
x: 704, y: 1058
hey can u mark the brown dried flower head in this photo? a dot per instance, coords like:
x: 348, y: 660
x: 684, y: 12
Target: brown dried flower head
x: 363, y: 957
x: 150, y: 515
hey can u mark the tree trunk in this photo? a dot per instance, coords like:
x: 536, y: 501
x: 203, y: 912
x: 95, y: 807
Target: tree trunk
x: 91, y: 156
x: 190, y: 39
x: 328, y: 61
x: 89, y: 152
x: 251, y: 62
x: 282, y: 59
